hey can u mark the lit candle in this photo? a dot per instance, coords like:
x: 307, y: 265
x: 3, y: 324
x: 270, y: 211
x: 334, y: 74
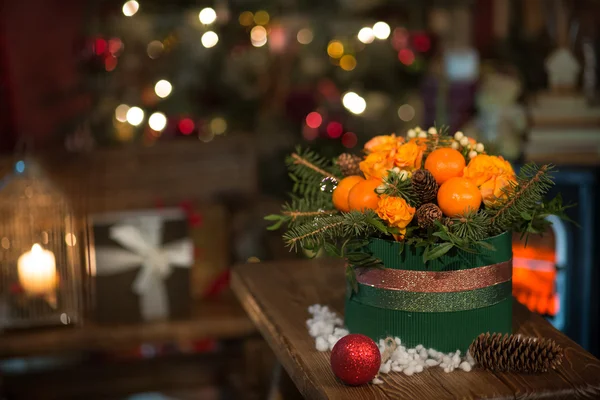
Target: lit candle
x: 37, y: 271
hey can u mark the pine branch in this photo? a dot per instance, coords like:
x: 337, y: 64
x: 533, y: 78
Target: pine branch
x: 303, y: 214
x: 311, y: 173
x: 299, y: 160
x: 472, y: 226
x: 441, y: 139
x: 523, y: 197
x: 397, y: 184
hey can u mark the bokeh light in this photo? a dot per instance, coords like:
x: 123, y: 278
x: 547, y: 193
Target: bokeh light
x: 110, y: 63
x: 304, y: 36
x: 400, y: 38
x: 406, y: 56
x: 130, y: 8
x: 406, y: 112
x: 349, y: 140
x: 246, y: 18
x: 163, y: 88
x: 218, y: 126
x: 354, y: 103
x: 335, y: 49
x: 186, y: 126
x: 258, y: 36
x: 277, y: 39
x: 209, y: 39
x: 121, y: 113
x: 314, y: 120
x: 366, y: 35
x: 348, y: 62
x: 135, y: 116
x: 421, y: 42
x: 100, y: 46
x: 309, y: 133
x: 115, y: 45
x: 381, y: 30
x: 207, y: 16
x: 334, y: 129
x: 157, y: 121
x: 261, y: 18
x: 155, y: 49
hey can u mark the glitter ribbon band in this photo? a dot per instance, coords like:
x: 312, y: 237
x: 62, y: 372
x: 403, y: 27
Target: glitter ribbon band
x: 435, y: 282
x: 432, y: 302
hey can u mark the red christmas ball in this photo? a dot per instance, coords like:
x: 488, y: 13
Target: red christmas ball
x: 355, y: 359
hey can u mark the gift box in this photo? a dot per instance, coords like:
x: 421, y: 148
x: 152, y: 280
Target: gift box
x: 141, y: 262
x: 442, y: 304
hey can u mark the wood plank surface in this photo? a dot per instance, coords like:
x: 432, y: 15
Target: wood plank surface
x: 276, y: 296
x: 218, y: 319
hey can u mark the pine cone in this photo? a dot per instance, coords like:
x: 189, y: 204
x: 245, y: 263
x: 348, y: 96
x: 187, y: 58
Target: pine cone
x: 349, y: 164
x: 425, y: 186
x: 427, y: 214
x: 515, y: 353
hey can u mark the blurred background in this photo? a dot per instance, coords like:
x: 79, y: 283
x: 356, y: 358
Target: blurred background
x: 132, y: 126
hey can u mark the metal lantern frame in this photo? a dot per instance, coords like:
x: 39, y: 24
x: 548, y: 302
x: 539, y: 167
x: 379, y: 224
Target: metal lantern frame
x: 34, y: 212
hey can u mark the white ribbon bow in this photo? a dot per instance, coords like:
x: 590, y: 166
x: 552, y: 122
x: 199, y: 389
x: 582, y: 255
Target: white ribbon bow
x: 141, y: 239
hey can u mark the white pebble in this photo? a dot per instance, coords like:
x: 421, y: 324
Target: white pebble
x: 446, y: 369
x: 413, y: 363
x: 446, y: 360
x: 341, y: 332
x: 419, y: 368
x: 411, y: 351
x: 459, y: 135
x: 397, y: 368
x: 443, y: 365
x: 457, y: 352
x: 409, y: 371
x: 402, y: 349
x: 470, y: 359
x: 403, y: 361
x: 464, y: 142
x: 377, y: 381
x: 465, y: 366
x: 423, y: 354
x: 398, y: 342
x: 432, y: 352
x: 419, y: 347
x: 479, y: 147
x: 456, y: 359
x: 385, y: 368
x: 322, y: 344
x: 431, y: 363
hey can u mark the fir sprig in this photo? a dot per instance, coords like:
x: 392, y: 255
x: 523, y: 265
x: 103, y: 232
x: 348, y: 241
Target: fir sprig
x: 472, y: 226
x: 398, y: 184
x: 441, y: 139
x: 309, y: 172
x: 533, y: 183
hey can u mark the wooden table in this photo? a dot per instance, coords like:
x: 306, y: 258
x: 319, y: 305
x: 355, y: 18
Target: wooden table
x: 277, y: 295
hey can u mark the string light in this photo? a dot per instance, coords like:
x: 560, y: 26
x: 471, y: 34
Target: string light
x: 209, y: 39
x: 335, y: 49
x: 110, y: 63
x: 186, y: 126
x: 406, y: 112
x: 157, y: 121
x: 135, y: 116
x: 314, y: 120
x: 130, y: 8
x: 246, y: 18
x: 258, y: 36
x: 261, y: 18
x: 115, y: 45
x: 207, y: 16
x: 305, y: 36
x: 354, y: 103
x: 121, y: 113
x: 406, y: 56
x: 381, y: 30
x: 348, y: 62
x: 334, y: 129
x: 349, y: 140
x: 163, y: 88
x: 155, y: 49
x: 366, y: 35
x: 218, y: 126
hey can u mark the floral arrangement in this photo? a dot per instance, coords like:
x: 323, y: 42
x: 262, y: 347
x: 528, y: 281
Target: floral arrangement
x: 429, y: 189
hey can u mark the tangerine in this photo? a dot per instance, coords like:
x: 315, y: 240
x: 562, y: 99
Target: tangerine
x: 363, y: 195
x: 341, y: 192
x: 457, y: 195
x: 445, y: 163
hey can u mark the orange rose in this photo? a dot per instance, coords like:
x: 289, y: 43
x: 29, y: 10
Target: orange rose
x: 376, y: 165
x: 409, y: 155
x: 395, y: 211
x: 383, y: 143
x: 491, y: 174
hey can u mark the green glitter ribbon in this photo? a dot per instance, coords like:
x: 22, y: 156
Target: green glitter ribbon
x: 433, y: 302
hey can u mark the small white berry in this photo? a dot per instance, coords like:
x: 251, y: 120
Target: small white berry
x: 464, y: 142
x: 479, y: 147
x: 418, y: 129
x: 411, y: 133
x: 422, y: 134
x: 396, y: 170
x: 404, y: 175
x: 432, y: 131
x: 455, y: 145
x: 380, y: 189
x: 459, y: 135
x: 473, y: 154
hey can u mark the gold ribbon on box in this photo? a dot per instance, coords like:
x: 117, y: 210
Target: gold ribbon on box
x: 429, y: 291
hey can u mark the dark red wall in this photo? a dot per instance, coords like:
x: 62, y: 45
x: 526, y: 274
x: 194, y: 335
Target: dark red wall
x: 40, y: 67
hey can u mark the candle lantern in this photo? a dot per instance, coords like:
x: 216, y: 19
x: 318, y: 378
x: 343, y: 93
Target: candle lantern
x: 40, y: 252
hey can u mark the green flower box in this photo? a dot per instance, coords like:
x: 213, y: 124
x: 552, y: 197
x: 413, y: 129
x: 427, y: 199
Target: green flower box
x: 443, y: 304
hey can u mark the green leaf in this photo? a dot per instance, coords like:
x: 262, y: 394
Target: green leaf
x: 526, y: 216
x: 351, y: 277
x: 332, y: 249
x: 486, y: 245
x: 378, y: 224
x: 433, y: 252
x: 400, y: 248
x: 273, y: 217
x: 276, y: 225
